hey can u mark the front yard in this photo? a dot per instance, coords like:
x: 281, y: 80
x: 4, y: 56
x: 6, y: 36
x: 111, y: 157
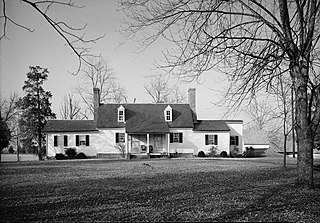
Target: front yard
x: 156, y: 190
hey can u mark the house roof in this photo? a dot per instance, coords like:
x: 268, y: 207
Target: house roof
x: 211, y: 125
x: 70, y: 125
x: 145, y: 118
x: 255, y: 137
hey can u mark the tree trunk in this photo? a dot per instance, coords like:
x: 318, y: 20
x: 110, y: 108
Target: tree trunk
x: 303, y: 124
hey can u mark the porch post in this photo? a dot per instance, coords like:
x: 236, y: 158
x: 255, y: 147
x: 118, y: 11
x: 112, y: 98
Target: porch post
x: 148, y: 142
x: 127, y: 155
x: 168, y: 141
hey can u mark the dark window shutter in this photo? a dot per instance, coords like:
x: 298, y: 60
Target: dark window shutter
x: 207, y: 139
x: 77, y: 140
x: 180, y: 137
x: 55, y: 140
x: 87, y: 140
x: 171, y: 137
x: 237, y: 140
x: 117, y: 137
x: 65, y: 140
x: 216, y: 139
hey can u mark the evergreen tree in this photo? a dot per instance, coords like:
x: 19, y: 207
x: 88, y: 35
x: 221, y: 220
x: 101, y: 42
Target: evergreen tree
x: 5, y: 135
x: 36, y: 108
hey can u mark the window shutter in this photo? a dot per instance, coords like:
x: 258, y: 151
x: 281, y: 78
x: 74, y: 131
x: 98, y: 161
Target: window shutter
x: 216, y: 139
x: 117, y: 137
x: 171, y: 137
x: 237, y: 140
x: 77, y: 140
x: 55, y: 140
x: 206, y: 139
x: 87, y: 140
x: 65, y: 140
x: 180, y: 137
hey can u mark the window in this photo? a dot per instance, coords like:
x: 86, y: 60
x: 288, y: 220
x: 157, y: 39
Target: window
x: 121, y: 117
x: 60, y: 140
x: 176, y: 137
x: 168, y: 114
x: 211, y: 139
x: 55, y: 141
x: 82, y: 140
x: 120, y: 137
x: 234, y: 140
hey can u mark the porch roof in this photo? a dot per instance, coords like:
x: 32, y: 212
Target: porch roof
x: 211, y: 125
x: 70, y: 126
x: 145, y: 118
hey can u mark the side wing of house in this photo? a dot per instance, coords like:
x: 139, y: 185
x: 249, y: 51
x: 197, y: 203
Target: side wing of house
x: 236, y: 135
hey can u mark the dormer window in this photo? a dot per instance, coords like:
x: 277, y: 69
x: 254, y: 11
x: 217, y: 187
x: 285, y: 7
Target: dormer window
x: 121, y: 116
x: 168, y: 114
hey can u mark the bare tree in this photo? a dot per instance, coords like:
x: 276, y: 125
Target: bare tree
x: 161, y: 91
x: 100, y: 76
x: 248, y: 41
x: 10, y: 111
x: 74, y: 37
x: 70, y: 108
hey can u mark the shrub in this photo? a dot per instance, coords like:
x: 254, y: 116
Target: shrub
x: 249, y: 152
x: 60, y: 156
x: 11, y: 150
x: 81, y: 156
x: 71, y: 153
x: 201, y: 154
x: 224, y: 154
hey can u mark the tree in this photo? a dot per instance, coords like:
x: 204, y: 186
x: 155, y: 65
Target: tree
x: 246, y: 40
x: 161, y: 92
x: 36, y: 108
x: 5, y: 135
x: 70, y: 109
x: 100, y: 76
x: 74, y: 37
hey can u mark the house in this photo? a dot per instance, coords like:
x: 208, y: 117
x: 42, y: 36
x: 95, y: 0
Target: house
x: 144, y: 129
x: 257, y: 140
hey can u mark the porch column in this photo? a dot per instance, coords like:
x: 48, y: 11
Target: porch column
x: 127, y: 155
x: 168, y: 142
x: 148, y: 142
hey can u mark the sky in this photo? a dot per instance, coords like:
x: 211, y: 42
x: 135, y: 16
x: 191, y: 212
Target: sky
x: 44, y: 47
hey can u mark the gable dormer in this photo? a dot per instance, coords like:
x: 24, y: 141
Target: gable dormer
x: 168, y: 114
x: 121, y: 114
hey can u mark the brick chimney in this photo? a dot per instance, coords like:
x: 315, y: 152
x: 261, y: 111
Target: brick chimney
x: 96, y: 102
x: 192, y: 101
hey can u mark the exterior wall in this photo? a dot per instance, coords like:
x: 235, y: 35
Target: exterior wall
x: 90, y: 150
x: 187, y: 145
x: 237, y: 130
x: 194, y: 142
x: 102, y: 141
x: 256, y: 146
x: 223, y: 142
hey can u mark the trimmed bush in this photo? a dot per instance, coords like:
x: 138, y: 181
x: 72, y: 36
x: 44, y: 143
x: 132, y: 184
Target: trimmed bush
x: 71, y: 153
x: 81, y: 156
x: 201, y: 154
x: 60, y: 156
x: 224, y: 154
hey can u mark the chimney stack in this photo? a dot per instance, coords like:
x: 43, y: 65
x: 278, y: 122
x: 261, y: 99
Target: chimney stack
x: 192, y: 100
x: 96, y: 102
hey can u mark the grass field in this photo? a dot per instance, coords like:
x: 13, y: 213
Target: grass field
x: 156, y: 190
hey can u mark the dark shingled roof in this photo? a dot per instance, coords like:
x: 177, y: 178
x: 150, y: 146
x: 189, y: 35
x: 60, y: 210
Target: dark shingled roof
x: 70, y: 125
x: 145, y: 118
x: 255, y: 137
x: 211, y: 125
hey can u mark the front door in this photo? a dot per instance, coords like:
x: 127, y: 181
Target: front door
x: 158, y: 143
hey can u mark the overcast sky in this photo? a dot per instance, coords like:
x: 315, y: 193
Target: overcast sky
x: 45, y: 48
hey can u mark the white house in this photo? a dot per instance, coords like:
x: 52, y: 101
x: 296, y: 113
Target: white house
x: 144, y: 129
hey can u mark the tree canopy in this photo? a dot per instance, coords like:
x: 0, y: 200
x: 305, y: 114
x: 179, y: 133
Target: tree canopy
x: 251, y: 41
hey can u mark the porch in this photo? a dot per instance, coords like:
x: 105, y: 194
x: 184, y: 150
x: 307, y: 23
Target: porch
x: 148, y: 145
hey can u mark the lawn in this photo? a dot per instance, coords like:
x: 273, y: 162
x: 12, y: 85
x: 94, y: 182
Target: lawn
x: 156, y: 190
